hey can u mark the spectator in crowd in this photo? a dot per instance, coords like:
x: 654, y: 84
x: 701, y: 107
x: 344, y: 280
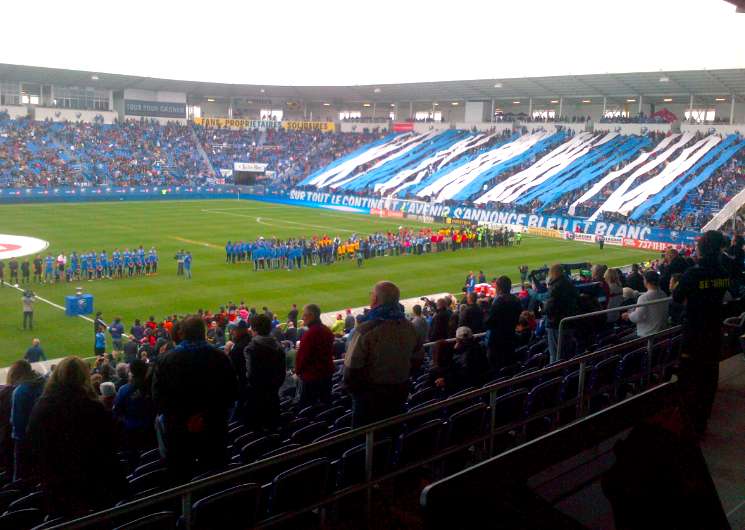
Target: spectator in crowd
x: 28, y: 388
x: 35, y: 354
x: 629, y: 296
x: 108, y: 393
x: 702, y: 289
x: 471, y: 314
x: 100, y: 343
x: 439, y: 332
x: 73, y: 443
x: 122, y: 375
x: 265, y: 364
x: 615, y: 293
x: 194, y: 389
x: 131, y: 348
x: 676, y: 309
x: 652, y: 318
x: 314, y: 363
x: 635, y: 279
x: 292, y: 315
x: 674, y: 263
x: 349, y: 321
x: 504, y: 315
x: 137, y: 330
x: 135, y: 411
x: 337, y: 328
x: 420, y: 323
x: 384, y: 349
x: 562, y: 302
x: 469, y: 366
x: 240, y: 338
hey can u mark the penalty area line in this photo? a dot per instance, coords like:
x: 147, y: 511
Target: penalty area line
x: 193, y: 242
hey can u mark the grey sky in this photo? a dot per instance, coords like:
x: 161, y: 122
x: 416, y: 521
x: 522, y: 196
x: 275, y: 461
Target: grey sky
x: 330, y: 42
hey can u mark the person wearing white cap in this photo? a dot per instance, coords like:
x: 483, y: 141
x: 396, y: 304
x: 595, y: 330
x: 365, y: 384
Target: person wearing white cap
x: 469, y: 366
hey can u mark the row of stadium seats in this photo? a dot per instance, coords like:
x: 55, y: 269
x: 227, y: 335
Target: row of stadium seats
x: 524, y: 410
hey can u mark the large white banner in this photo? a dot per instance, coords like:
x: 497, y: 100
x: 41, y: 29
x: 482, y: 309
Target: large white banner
x: 16, y: 246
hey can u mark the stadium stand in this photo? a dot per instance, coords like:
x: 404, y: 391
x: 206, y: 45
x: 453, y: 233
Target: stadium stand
x: 452, y: 413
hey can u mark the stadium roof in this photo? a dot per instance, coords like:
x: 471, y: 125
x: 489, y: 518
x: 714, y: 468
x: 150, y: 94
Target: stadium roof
x: 674, y: 83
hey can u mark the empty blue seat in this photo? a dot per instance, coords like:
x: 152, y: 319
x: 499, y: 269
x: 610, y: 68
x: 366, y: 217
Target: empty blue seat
x: 154, y: 521
x: 465, y: 425
x: 298, y: 487
x: 421, y: 396
x: 31, y: 500
x: 351, y: 467
x: 309, y: 433
x: 330, y: 415
x: 231, y: 509
x: 157, y: 479
x: 253, y: 450
x: 419, y: 442
x: 27, y: 518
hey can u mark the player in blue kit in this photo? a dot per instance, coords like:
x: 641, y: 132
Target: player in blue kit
x: 49, y: 269
x: 129, y: 261
x: 103, y: 265
x: 74, y: 263
x: 116, y: 263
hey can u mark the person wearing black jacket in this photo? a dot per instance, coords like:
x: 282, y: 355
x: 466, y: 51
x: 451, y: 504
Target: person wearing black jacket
x: 73, y: 443
x: 702, y: 289
x: 265, y: 373
x: 562, y: 302
x: 635, y: 280
x: 468, y: 367
x: 674, y: 264
x: 194, y: 389
x: 439, y: 331
x: 504, y: 315
x: 471, y: 315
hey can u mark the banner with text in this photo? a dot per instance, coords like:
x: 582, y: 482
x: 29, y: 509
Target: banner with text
x: 237, y: 123
x: 154, y: 109
x: 255, y: 167
x: 557, y: 225
x: 325, y: 126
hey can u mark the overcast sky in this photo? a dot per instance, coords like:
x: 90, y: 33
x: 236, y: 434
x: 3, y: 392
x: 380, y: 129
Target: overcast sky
x: 330, y: 42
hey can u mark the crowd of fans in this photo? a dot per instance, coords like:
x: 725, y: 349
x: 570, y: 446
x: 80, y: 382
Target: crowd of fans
x: 62, y: 429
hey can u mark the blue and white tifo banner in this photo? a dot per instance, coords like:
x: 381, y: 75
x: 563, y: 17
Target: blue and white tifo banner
x: 485, y: 215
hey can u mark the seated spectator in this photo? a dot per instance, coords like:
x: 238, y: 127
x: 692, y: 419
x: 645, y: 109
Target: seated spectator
x: 385, y: 348
x: 265, y: 373
x: 524, y: 329
x: 469, y: 366
x: 652, y: 318
x: 629, y: 296
x: 337, y: 328
x: 77, y: 466
x: 194, y: 389
x: 635, y: 279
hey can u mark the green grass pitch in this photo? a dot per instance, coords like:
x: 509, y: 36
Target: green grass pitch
x: 203, y: 227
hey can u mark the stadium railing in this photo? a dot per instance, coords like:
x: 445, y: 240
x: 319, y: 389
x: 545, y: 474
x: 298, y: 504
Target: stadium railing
x: 186, y: 492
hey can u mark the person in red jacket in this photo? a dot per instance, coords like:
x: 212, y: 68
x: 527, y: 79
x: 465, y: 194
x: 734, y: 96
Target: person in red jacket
x: 314, y: 363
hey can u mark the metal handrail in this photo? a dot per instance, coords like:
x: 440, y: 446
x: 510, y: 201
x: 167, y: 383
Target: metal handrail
x: 619, y: 309
x: 185, y: 490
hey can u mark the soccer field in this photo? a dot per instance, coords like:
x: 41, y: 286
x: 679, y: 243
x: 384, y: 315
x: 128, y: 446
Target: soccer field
x: 203, y: 227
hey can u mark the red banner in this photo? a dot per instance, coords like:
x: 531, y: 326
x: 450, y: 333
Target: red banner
x: 386, y: 213
x: 642, y: 244
x: 403, y: 126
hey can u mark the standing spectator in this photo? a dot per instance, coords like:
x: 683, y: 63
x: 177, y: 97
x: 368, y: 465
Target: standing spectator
x: 28, y: 300
x: 438, y: 332
x: 194, y: 389
x: 702, y: 289
x: 314, y: 363
x: 35, y: 354
x: 134, y: 410
x: 131, y: 348
x: 635, y: 280
x: 29, y: 386
x: 471, y: 315
x: 562, y: 302
x: 523, y: 273
x: 504, y: 315
x: 116, y: 330
x: 674, y: 263
x: 653, y: 318
x: 73, y: 444
x: 420, y: 323
x: 265, y: 367
x: 292, y: 315
x: 615, y: 293
x: 384, y: 349
x: 108, y: 393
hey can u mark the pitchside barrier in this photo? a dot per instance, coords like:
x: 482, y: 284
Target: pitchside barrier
x: 660, y: 347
